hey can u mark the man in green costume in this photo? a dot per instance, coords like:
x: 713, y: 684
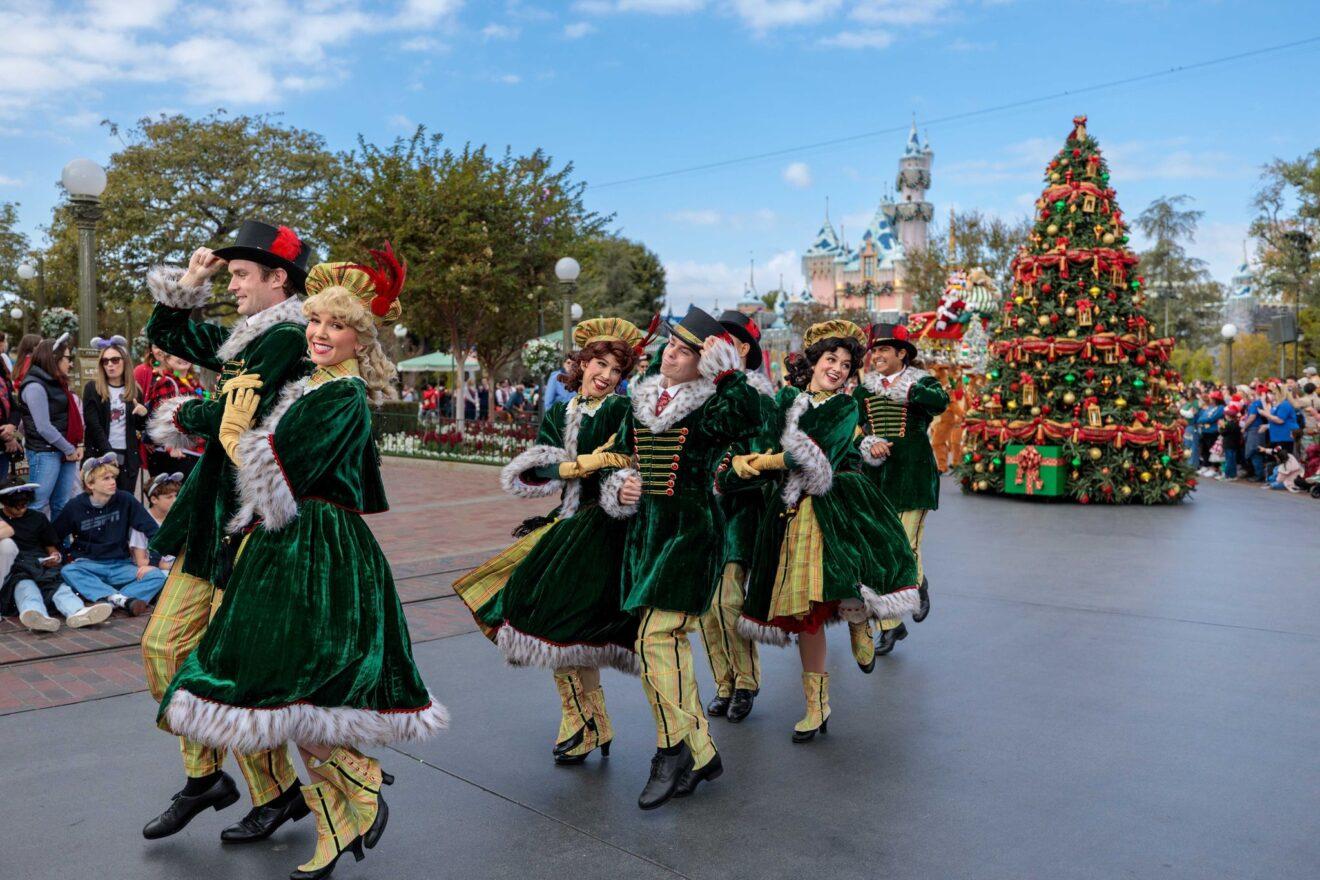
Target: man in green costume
x: 680, y: 424
x: 898, y: 401
x: 733, y: 657
x: 261, y: 353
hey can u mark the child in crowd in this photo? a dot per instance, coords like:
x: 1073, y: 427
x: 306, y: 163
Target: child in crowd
x: 1230, y: 434
x: 99, y: 523
x: 31, y: 562
x: 160, y: 498
x: 1287, y: 469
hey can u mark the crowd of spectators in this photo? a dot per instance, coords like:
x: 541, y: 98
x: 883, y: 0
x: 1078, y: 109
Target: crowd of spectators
x: 82, y: 488
x: 1265, y: 431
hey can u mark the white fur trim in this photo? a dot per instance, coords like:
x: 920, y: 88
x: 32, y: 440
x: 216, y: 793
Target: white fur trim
x: 889, y: 606
x: 720, y: 358
x: 609, y: 494
x: 763, y: 633
x: 246, y: 331
x: 899, y: 385
x: 511, y: 475
x: 646, y: 394
x: 163, y: 283
x: 161, y: 427
x: 245, y: 730
x: 760, y: 381
x: 813, y: 474
x: 868, y: 443
x: 521, y: 649
x: 262, y: 489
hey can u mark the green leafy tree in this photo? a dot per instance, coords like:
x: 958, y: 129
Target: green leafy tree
x: 978, y: 240
x: 13, y: 250
x: 1188, y: 298
x: 1287, y: 228
x: 1071, y: 364
x: 770, y: 299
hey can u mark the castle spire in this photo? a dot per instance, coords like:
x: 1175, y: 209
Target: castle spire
x: 913, y: 141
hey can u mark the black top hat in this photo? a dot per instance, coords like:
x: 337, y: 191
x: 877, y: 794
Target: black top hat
x: 745, y: 329
x: 893, y: 335
x: 277, y: 247
x: 696, y: 327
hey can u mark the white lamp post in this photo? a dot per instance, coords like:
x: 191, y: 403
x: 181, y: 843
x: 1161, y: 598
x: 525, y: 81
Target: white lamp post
x: 16, y: 313
x: 85, y: 181
x: 576, y: 312
x: 567, y: 271
x: 1228, y: 331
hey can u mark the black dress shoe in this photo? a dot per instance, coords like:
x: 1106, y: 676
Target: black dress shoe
x: 889, y: 638
x: 666, y: 772
x: 718, y: 707
x: 741, y: 706
x: 923, y: 592
x: 261, y: 822
x: 563, y: 747
x: 806, y: 736
x: 692, y: 778
x: 181, y: 810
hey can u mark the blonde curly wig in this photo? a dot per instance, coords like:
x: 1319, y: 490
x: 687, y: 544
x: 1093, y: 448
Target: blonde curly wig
x: 343, y: 305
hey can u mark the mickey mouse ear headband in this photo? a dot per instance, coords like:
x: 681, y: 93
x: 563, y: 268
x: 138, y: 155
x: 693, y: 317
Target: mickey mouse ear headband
x: 102, y: 344
x: 163, y: 480
x: 60, y: 341
x: 91, y: 464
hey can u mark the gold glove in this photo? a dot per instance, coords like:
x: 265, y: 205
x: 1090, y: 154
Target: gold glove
x: 569, y: 470
x: 767, y: 462
x: 241, y: 381
x: 240, y: 411
x: 589, y: 464
x: 744, y: 467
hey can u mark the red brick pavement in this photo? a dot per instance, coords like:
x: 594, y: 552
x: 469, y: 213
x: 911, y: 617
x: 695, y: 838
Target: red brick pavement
x: 444, y: 518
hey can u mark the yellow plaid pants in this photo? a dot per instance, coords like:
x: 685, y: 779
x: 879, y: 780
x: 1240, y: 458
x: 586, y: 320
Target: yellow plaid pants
x: 733, y: 659
x: 914, y: 523
x: 182, y: 613
x: 670, y: 682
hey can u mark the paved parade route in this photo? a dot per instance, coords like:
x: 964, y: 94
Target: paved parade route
x: 1098, y: 693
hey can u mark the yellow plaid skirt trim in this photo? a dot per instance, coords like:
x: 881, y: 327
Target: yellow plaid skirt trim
x: 483, y: 583
x: 800, y: 578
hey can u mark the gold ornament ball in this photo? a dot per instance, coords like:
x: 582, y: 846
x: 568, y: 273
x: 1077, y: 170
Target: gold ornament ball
x: 1126, y: 490
x: 1145, y: 476
x: 1072, y: 331
x: 1018, y: 300
x: 1095, y: 291
x: 1043, y: 320
x: 1108, y: 238
x: 1187, y: 453
x: 1167, y: 473
x: 1012, y: 404
x: 1120, y: 402
x: 1095, y: 453
x: 982, y: 485
x: 979, y: 467
x: 1056, y: 177
x: 1052, y: 229
x: 1145, y: 454
x: 1035, y: 410
x: 1069, y: 398
x: 1070, y: 311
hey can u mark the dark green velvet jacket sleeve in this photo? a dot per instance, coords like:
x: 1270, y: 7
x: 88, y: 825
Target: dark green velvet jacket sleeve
x: 929, y: 394
x: 175, y: 332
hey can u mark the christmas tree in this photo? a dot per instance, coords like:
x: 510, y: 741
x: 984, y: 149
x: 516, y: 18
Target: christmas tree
x: 1078, y: 399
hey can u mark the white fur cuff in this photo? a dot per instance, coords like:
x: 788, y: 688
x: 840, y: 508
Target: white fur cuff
x: 874, y: 459
x: 245, y: 730
x: 812, y: 474
x: 511, y: 475
x: 891, y: 606
x: 263, y: 489
x: 763, y: 633
x: 721, y: 358
x: 609, y: 494
x: 163, y: 282
x: 164, y: 430
x: 520, y: 649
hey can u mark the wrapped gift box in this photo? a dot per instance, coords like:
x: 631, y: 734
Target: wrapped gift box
x: 1034, y: 470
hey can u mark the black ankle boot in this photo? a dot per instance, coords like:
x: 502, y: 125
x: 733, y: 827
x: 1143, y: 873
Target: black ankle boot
x: 221, y: 793
x: 889, y: 638
x: 261, y: 822
x: 666, y: 772
x: 923, y: 593
x: 741, y: 706
x: 718, y: 707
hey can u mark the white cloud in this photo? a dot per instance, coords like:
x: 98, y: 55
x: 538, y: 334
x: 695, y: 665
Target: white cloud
x: 867, y: 39
x: 705, y: 217
x: 421, y: 44
x: 900, y: 12
x: 707, y: 284
x: 495, y: 31
x: 798, y: 175
x: 762, y: 15
x: 1220, y: 245
x: 402, y: 123
x: 6, y: 180
x: 651, y: 7
x: 578, y: 29
x: 762, y: 219
x: 509, y: 79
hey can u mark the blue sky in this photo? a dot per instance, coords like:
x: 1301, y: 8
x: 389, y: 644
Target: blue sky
x: 626, y: 88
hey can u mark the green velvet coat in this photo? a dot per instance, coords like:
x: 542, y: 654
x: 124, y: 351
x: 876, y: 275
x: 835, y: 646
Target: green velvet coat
x: 862, y: 557
x: 743, y: 503
x: 271, y: 344
x: 902, y: 414
x: 311, y: 643
x: 675, y: 538
x: 554, y: 601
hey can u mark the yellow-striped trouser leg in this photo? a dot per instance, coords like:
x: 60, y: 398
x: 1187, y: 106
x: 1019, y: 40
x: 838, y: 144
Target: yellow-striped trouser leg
x: 670, y: 682
x: 914, y: 524
x: 733, y: 659
x: 574, y: 710
x: 358, y: 777
x: 336, y: 826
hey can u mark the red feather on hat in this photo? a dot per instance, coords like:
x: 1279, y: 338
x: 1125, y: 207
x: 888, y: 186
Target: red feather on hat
x: 286, y: 245
x: 387, y: 277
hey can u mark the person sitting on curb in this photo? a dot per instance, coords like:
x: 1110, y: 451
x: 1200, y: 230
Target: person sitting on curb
x: 160, y: 498
x: 99, y: 522
x: 30, y: 567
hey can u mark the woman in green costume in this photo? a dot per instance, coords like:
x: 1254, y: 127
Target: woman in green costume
x: 830, y: 546
x: 311, y: 645
x: 552, y: 598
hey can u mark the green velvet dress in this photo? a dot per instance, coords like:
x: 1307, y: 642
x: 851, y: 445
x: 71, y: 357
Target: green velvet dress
x: 830, y: 546
x: 744, y: 505
x: 311, y: 644
x: 552, y: 599
x: 271, y: 344
x: 901, y: 413
x: 675, y: 544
